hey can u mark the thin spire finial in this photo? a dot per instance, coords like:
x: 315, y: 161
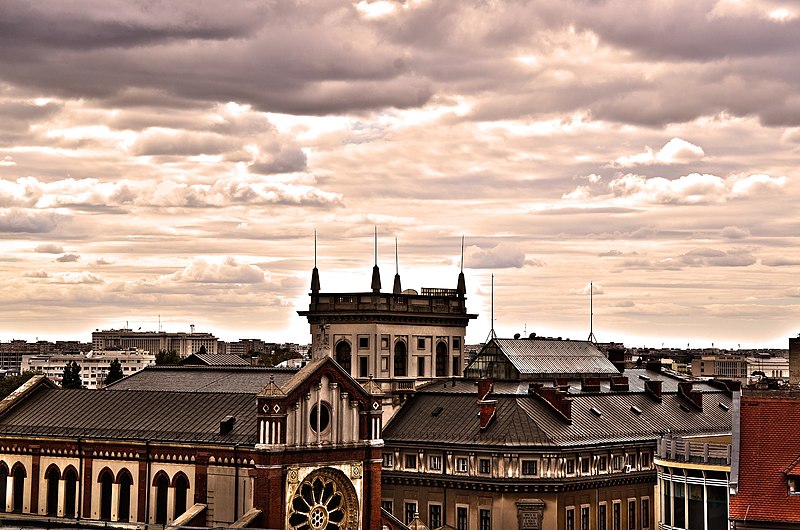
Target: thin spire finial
x: 462, y: 252
x: 315, y: 247
x: 376, y: 244
x: 396, y: 258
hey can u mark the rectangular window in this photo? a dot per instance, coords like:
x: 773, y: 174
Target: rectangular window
x: 570, y: 518
x: 421, y: 343
x: 456, y: 343
x: 410, y: 511
x: 570, y: 466
x: 388, y: 460
x: 434, y: 515
x: 485, y: 466
x: 456, y: 367
x: 530, y: 467
x: 585, y: 465
x: 645, y: 460
x: 631, y: 514
x: 384, y: 364
x: 617, y: 462
x: 645, y: 513
x: 462, y: 516
x: 363, y: 342
x: 461, y: 464
x: 420, y: 366
x: 585, y: 517
x: 616, y: 516
x: 385, y: 342
x: 435, y: 463
x: 363, y: 366
x: 602, y: 516
x: 632, y: 460
x: 601, y: 463
x: 485, y: 520
x: 411, y: 461
x: 386, y: 505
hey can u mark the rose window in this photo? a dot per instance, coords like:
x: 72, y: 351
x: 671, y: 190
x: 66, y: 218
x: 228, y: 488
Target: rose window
x: 325, y: 500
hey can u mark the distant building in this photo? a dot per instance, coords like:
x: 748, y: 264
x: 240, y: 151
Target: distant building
x: 94, y: 365
x: 11, y: 352
x: 183, y: 344
x: 722, y: 365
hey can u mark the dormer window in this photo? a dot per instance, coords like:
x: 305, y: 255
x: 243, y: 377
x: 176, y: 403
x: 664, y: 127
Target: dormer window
x: 793, y: 484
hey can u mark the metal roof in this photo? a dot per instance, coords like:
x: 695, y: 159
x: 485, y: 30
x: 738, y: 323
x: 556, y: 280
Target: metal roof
x: 196, y: 378
x: 547, y: 356
x: 214, y: 359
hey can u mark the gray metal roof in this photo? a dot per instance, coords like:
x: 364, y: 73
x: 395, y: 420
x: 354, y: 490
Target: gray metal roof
x: 195, y: 378
x: 214, y: 359
x: 546, y: 356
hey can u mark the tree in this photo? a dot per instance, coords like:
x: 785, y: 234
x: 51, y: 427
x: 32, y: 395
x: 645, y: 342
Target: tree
x: 72, y: 376
x: 167, y: 357
x: 114, y: 372
x: 202, y: 350
x: 10, y: 383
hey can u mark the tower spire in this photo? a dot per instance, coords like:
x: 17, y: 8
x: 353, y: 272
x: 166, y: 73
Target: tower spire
x: 461, y: 289
x: 314, y: 271
x: 376, y: 273
x: 396, y: 289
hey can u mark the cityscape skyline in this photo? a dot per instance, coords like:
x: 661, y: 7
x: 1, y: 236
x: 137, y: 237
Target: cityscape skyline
x: 175, y: 160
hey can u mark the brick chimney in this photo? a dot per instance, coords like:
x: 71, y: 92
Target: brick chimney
x: 485, y: 385
x: 694, y: 397
x: 488, y: 407
x: 794, y: 360
x: 554, y: 397
x: 652, y: 388
x: 619, y: 384
x: 590, y: 384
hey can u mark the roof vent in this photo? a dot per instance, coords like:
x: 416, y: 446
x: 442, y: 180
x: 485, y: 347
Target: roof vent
x: 596, y: 412
x: 516, y: 336
x: 437, y: 411
x: 635, y: 409
x: 644, y: 377
x: 532, y: 336
x: 723, y: 406
x: 226, y: 425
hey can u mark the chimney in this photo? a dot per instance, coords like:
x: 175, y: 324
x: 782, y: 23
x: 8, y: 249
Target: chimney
x: 487, y: 410
x: 619, y: 384
x: 590, y: 384
x: 653, y: 388
x: 554, y: 397
x: 226, y: 425
x: 794, y: 360
x: 616, y: 354
x: 484, y: 387
x: 653, y: 366
x: 562, y: 383
x: 694, y: 397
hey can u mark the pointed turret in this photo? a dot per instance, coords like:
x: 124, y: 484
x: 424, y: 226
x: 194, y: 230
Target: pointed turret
x: 397, y: 289
x: 314, y: 272
x: 376, y: 273
x: 461, y: 289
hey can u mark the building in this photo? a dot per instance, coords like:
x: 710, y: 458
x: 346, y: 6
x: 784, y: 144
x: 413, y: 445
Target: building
x: 12, y: 352
x: 399, y: 338
x: 183, y: 344
x: 767, y: 366
x: 197, y: 446
x: 541, y: 433
x: 722, y: 365
x: 94, y: 364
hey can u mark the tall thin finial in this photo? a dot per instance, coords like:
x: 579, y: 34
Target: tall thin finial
x: 376, y: 275
x: 591, y: 338
x: 396, y: 258
x: 462, y: 253
x: 315, y: 286
x: 461, y: 287
x: 376, y: 244
x: 396, y: 288
x: 315, y: 248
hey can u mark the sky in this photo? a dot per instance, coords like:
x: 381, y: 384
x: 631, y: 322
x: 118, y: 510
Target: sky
x: 167, y: 163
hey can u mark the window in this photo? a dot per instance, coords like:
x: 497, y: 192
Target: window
x: 601, y: 463
x: 456, y: 343
x: 441, y: 359
x: 434, y: 515
x: 320, y: 417
x: 411, y: 511
x: 616, y: 516
x: 161, y: 483
x: 420, y: 366
x: 106, y: 480
x: 570, y: 518
x: 632, y: 460
x: 181, y: 488
x: 462, y: 516
x: 124, y: 504
x: 421, y: 343
x: 343, y: 355
x: 363, y: 342
x: 645, y: 513
x: 400, y: 359
x: 456, y: 368
x: 411, y: 461
x: 585, y: 465
x: 385, y: 342
x: 485, y: 466
x: 461, y: 464
x: 388, y: 460
x: 570, y: 466
x: 363, y: 366
x: 53, y: 477
x: 485, y: 520
x: 386, y: 505
x: 585, y: 517
x: 645, y: 460
x: 435, y: 463
x: 631, y: 514
x: 617, y: 462
x: 602, y: 516
x: 530, y: 467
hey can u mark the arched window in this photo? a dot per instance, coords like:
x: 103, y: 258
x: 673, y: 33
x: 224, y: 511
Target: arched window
x: 441, y: 360
x: 161, y: 482
x: 400, y: 359
x: 52, y: 476
x: 181, y: 484
x: 124, y: 507
x: 70, y: 491
x: 18, y: 493
x: 3, y: 485
x: 343, y: 355
x: 106, y: 480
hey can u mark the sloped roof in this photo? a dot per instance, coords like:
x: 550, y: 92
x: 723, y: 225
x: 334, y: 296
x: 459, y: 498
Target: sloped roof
x: 214, y: 359
x: 546, y: 356
x: 768, y: 447
x: 137, y: 415
x: 195, y: 378
x: 452, y: 418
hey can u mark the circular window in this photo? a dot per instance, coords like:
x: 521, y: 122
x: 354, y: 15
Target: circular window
x: 320, y: 417
x: 325, y: 500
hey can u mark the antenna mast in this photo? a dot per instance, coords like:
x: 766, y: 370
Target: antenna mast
x: 591, y: 338
x: 492, y: 334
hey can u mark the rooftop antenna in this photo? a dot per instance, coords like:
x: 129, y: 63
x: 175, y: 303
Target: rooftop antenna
x: 397, y: 289
x: 159, y: 323
x: 591, y: 338
x: 315, y: 272
x: 492, y: 334
x: 376, y: 274
x: 461, y: 288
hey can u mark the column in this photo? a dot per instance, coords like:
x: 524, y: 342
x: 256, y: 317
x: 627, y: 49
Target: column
x: 170, y: 504
x: 62, y: 485
x: 115, y: 501
x: 9, y: 493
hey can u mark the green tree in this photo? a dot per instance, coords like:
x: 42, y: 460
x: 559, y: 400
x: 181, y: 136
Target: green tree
x: 10, y: 383
x: 276, y: 357
x: 72, y: 376
x: 167, y: 357
x: 114, y: 372
x: 202, y: 350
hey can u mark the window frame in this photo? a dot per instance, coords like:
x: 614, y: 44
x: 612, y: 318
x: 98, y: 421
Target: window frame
x: 388, y: 460
x: 410, y: 461
x: 529, y: 463
x: 457, y: 464
x: 488, y: 466
x: 437, y: 459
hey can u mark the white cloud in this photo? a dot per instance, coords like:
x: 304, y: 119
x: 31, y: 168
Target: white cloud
x: 49, y: 248
x: 676, y: 151
x: 68, y: 258
x: 502, y: 256
x: 594, y: 288
x: 734, y: 232
x: 16, y: 220
x: 228, y: 270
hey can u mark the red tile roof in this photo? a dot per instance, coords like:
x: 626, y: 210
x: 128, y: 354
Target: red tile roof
x: 768, y: 448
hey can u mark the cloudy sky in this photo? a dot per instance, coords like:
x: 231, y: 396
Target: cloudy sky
x: 174, y: 159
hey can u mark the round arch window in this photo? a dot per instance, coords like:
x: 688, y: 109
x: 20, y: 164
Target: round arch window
x: 325, y: 500
x: 320, y: 417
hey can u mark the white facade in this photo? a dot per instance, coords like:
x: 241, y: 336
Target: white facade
x: 94, y: 365
x: 184, y: 344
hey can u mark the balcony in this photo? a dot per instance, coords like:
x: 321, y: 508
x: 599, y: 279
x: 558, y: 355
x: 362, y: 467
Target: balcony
x: 699, y: 451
